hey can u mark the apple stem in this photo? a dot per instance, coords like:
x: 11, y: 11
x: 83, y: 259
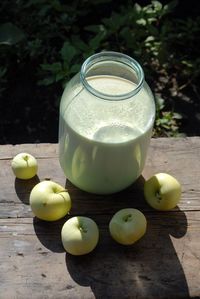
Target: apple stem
x: 26, y: 158
x: 158, y: 195
x: 82, y: 229
x: 127, y: 217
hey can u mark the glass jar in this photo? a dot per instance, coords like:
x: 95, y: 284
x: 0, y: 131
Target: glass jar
x: 107, y: 113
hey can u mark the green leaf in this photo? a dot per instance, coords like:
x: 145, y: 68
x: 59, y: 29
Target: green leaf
x: 54, y: 67
x: 170, y: 6
x: 160, y: 103
x: 68, y: 52
x: 94, y: 28
x: 95, y: 41
x: 149, y: 39
x: 148, y: 9
x: 114, y: 22
x: 60, y: 76
x: 187, y: 63
x: 46, y: 81
x: 177, y: 115
x: 163, y: 121
x: 157, y: 5
x: 10, y: 34
x: 141, y: 21
x: 151, y: 20
x: 78, y: 43
x: 75, y: 68
x: 137, y: 8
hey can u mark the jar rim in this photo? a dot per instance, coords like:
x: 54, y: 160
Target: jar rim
x: 116, y: 57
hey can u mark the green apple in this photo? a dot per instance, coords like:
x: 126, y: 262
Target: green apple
x: 49, y: 201
x: 80, y: 235
x: 162, y: 191
x: 24, y: 166
x: 127, y: 226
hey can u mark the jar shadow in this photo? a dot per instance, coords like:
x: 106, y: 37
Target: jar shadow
x: 94, y: 204
x: 150, y: 268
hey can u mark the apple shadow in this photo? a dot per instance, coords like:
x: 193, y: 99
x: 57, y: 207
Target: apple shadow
x: 49, y: 233
x: 23, y: 188
x: 150, y: 268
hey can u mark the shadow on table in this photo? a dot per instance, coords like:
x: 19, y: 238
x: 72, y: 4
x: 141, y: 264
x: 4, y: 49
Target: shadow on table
x: 148, y: 269
x: 88, y: 203
x: 23, y: 188
x: 49, y: 233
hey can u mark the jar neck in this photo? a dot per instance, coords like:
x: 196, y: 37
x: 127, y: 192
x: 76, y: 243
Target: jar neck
x: 112, y: 64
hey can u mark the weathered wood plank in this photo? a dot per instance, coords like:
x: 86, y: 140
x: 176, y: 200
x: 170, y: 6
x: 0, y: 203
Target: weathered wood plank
x: 43, y: 150
x: 34, y: 264
x: 163, y: 264
x: 15, y: 203
x: 180, y: 157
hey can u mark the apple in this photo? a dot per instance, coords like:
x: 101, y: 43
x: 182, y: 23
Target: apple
x: 49, y: 201
x: 127, y: 226
x: 24, y: 166
x: 79, y: 235
x: 162, y: 191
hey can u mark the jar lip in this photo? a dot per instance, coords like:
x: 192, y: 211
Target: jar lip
x: 117, y: 57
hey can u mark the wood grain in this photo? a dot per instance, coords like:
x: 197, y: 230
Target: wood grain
x: 165, y: 263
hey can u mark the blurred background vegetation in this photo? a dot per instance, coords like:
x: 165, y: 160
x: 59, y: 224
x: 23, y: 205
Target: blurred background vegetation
x: 44, y: 42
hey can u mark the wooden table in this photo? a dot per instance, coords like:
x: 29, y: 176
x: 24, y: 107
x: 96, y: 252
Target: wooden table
x: 165, y: 263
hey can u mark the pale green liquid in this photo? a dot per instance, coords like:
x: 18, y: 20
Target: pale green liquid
x: 105, y: 154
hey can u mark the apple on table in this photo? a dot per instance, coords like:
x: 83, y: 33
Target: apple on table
x: 24, y: 166
x: 79, y: 235
x: 127, y: 226
x: 162, y: 191
x: 49, y: 201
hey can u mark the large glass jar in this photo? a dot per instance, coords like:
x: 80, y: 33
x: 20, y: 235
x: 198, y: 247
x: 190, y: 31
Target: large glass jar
x: 106, y: 118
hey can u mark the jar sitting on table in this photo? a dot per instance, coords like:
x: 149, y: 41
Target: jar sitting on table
x: 107, y: 113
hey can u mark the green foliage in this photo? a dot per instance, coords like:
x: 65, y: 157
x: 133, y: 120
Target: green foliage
x: 167, y: 122
x: 59, y: 71
x: 55, y: 37
x: 10, y: 34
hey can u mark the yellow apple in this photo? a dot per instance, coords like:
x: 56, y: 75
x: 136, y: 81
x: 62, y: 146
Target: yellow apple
x: 162, y: 191
x: 80, y: 235
x: 127, y: 226
x: 24, y: 166
x: 49, y: 201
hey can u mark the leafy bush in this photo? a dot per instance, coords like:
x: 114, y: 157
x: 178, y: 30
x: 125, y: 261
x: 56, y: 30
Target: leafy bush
x: 50, y: 40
